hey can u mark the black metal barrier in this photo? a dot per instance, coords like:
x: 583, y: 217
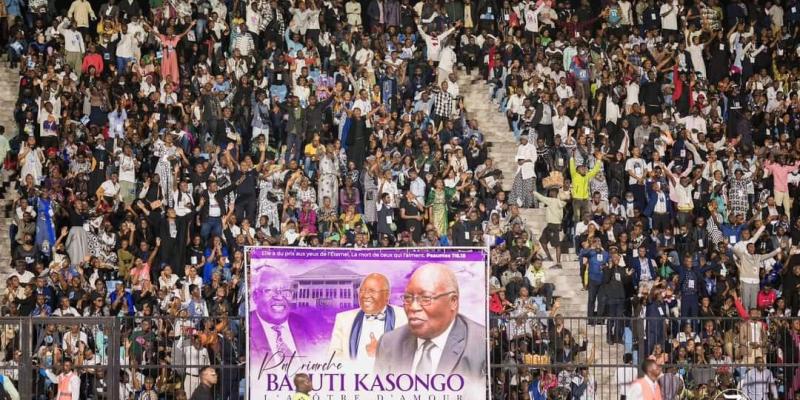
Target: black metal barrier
x: 150, y: 358
x: 599, y: 358
x: 531, y: 357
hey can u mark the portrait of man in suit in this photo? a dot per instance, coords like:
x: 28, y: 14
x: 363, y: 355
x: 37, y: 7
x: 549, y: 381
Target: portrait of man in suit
x: 356, y: 332
x: 436, y: 339
x: 274, y: 326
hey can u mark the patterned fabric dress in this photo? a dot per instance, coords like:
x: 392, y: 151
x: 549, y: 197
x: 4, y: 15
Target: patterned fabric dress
x: 265, y: 205
x: 522, y: 191
x: 307, y: 195
x: 712, y: 226
x: 328, y: 185
x: 164, y: 167
x: 737, y: 195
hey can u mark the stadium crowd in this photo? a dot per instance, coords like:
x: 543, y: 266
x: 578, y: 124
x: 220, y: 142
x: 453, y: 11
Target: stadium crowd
x: 155, y: 140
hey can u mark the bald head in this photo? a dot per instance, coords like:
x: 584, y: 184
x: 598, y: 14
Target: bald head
x: 272, y: 294
x: 381, y: 279
x: 440, y: 274
x: 431, y: 300
x: 373, y: 294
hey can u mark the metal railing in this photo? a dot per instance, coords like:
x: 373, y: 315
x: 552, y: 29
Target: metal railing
x: 561, y: 353
x: 117, y: 357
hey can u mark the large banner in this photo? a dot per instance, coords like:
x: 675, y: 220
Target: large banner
x: 371, y: 324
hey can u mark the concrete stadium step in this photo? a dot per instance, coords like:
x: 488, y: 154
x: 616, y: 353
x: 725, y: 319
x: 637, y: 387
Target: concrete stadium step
x: 9, y: 91
x: 493, y: 125
x: 567, y: 280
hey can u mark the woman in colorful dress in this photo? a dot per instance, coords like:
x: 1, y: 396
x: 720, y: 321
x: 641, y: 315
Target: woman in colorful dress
x: 737, y: 192
x: 169, y: 54
x: 328, y: 185
x: 269, y: 197
x: 438, y: 206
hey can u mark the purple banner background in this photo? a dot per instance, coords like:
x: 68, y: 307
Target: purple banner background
x: 313, y: 271
x: 368, y: 254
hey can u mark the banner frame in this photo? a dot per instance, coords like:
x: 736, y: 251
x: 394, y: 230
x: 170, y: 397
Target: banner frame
x: 487, y: 271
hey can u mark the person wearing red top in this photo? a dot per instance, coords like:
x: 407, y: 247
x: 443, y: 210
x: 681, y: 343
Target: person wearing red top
x: 92, y: 59
x: 498, y: 304
x: 766, y: 297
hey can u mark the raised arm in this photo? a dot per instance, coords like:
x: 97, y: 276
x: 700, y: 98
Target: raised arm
x: 188, y: 29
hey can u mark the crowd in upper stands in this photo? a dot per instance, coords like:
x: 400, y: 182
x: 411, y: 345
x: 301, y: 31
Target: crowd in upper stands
x: 155, y: 140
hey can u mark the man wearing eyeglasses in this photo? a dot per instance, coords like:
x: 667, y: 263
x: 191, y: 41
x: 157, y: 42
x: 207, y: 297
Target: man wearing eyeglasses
x: 273, y: 324
x: 356, y: 332
x: 437, y: 339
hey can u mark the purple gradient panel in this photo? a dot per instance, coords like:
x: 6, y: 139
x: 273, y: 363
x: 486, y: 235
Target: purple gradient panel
x: 321, y: 283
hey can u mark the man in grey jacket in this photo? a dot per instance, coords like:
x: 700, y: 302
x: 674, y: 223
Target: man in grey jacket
x: 554, y: 213
x: 749, y: 264
x: 437, y: 339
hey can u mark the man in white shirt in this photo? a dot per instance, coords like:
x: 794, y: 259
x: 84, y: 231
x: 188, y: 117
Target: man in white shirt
x: 64, y: 309
x: 363, y: 103
x: 635, y: 167
x: 680, y: 191
x: 127, y: 48
x: 626, y: 375
x: 182, y: 199
x: 525, y: 179
x: 758, y: 383
x: 109, y: 190
x: 433, y: 42
x: 127, y: 164
x: 417, y: 184
x: 775, y: 13
x: 356, y: 332
x: 563, y: 90
x: 669, y: 17
x: 74, y: 47
x: 25, y: 277
x: 195, y: 354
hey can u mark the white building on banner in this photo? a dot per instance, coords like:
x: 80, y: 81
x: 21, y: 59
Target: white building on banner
x: 329, y: 286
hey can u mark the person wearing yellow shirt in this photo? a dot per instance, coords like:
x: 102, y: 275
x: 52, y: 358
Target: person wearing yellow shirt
x: 581, y: 176
x: 81, y: 12
x: 302, y: 387
x: 311, y: 152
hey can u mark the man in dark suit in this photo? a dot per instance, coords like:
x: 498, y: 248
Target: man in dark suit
x: 295, y: 127
x: 274, y: 327
x: 437, y: 339
x: 644, y: 268
x: 231, y: 362
x: 211, y: 207
x: 659, y: 208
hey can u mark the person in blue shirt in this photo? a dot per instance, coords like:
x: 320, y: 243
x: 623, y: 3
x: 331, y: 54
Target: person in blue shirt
x: 737, y: 229
x: 594, y: 257
x: 42, y: 309
x: 121, y: 301
x: 691, y: 286
x: 215, y: 253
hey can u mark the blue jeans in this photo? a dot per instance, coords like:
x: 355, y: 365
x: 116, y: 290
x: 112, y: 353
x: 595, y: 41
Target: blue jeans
x: 293, y: 141
x: 122, y: 64
x: 279, y: 91
x: 310, y: 167
x: 211, y: 226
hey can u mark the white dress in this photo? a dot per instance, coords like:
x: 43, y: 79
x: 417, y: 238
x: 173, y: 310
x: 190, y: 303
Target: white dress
x: 164, y: 168
x: 328, y: 185
x: 32, y: 166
